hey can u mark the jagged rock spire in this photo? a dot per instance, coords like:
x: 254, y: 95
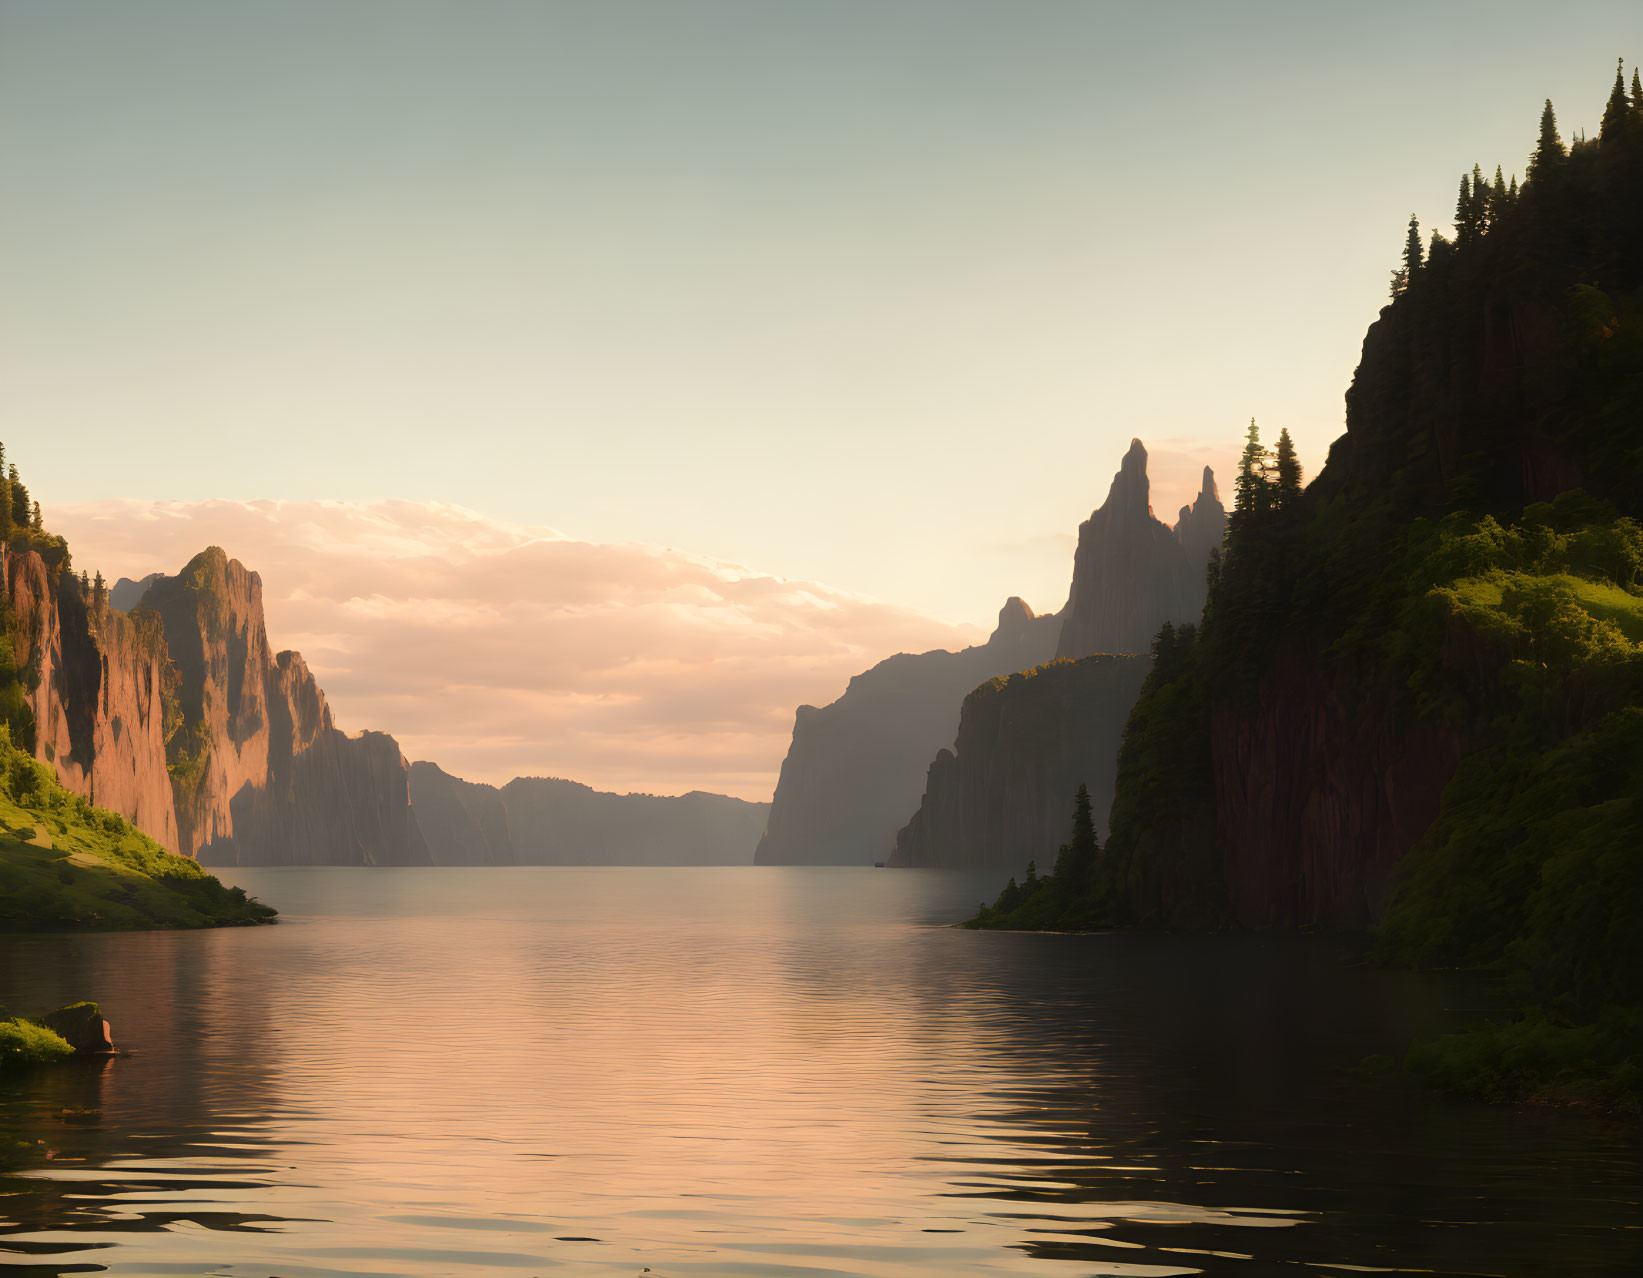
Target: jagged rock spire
x: 1131, y: 572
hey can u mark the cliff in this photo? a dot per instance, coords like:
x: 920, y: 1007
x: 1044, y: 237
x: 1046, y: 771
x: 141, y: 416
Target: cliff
x: 96, y: 683
x: 180, y: 718
x: 1002, y: 796
x: 1389, y: 623
x: 1132, y: 572
x: 856, y: 767
x: 1412, y: 701
x: 328, y: 798
x: 554, y: 822
x: 463, y: 822
x: 258, y: 772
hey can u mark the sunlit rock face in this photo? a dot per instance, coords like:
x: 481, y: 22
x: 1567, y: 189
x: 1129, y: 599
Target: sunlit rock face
x: 1132, y: 572
x: 855, y: 769
x: 98, y: 692
x: 260, y: 775
x: 1003, y: 796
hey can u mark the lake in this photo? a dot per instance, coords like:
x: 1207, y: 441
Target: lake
x: 758, y: 1071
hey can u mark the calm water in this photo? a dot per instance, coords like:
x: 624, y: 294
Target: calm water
x: 738, y: 1071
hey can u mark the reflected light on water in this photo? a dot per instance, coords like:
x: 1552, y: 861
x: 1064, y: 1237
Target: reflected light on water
x: 754, y: 1071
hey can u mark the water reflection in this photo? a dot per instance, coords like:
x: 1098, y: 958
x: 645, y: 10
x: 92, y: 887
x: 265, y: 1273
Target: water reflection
x: 726, y: 1071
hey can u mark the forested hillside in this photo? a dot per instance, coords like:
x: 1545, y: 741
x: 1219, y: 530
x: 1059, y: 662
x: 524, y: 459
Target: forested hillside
x: 1413, y: 702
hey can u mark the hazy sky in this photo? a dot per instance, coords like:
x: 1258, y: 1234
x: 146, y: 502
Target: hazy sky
x: 865, y: 294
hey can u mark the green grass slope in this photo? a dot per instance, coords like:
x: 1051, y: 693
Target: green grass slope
x: 65, y: 864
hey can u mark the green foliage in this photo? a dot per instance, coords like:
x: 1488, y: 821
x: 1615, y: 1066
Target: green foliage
x: 67, y: 864
x: 22, y: 1042
x: 1539, y: 1058
x: 1061, y: 901
x: 1418, y: 575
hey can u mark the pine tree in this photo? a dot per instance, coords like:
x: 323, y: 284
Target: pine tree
x: 1499, y: 197
x: 1483, y: 203
x: 1439, y: 250
x: 19, y: 501
x: 1463, y: 212
x: 1511, y: 191
x: 1617, y: 114
x: 1637, y: 94
x: 35, y: 521
x: 1414, y: 256
x: 1075, y: 866
x: 1289, y: 469
x: 1549, y: 152
x: 1251, y: 487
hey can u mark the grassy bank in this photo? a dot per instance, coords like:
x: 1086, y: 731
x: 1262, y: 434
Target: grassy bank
x: 67, y: 865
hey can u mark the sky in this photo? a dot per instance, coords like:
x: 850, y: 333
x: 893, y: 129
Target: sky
x: 864, y: 296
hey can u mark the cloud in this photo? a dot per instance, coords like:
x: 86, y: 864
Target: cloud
x: 498, y: 649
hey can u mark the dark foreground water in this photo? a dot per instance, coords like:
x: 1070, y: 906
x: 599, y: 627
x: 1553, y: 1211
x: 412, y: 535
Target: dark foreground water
x: 757, y: 1072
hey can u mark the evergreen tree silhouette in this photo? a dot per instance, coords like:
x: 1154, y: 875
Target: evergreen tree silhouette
x: 1549, y: 152
x: 1463, y: 212
x: 1075, y: 866
x: 1414, y: 256
x: 1637, y: 94
x: 1617, y: 114
x: 1250, y: 488
x: 1289, y: 466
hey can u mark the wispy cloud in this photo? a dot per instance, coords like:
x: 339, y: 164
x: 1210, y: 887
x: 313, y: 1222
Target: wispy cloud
x: 499, y: 649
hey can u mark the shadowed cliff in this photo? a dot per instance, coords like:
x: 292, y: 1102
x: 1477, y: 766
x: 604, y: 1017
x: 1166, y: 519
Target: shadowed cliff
x: 1132, y: 572
x: 998, y: 799
x: 856, y: 767
x: 999, y: 796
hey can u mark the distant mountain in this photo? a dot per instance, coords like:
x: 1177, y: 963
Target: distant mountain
x: 1132, y: 572
x: 856, y: 767
x: 1003, y: 795
x: 462, y: 822
x: 126, y: 594
x: 555, y: 822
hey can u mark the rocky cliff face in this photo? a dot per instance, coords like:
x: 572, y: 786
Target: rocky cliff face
x: 1505, y: 375
x: 1131, y: 572
x: 855, y: 769
x: 1003, y: 795
x: 554, y: 822
x: 258, y: 772
x: 1318, y: 791
x: 327, y: 798
x: 98, y: 686
x: 463, y: 822
x: 1201, y: 528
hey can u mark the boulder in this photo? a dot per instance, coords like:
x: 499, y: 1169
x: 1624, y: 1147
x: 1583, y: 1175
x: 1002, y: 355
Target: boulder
x: 82, y: 1026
